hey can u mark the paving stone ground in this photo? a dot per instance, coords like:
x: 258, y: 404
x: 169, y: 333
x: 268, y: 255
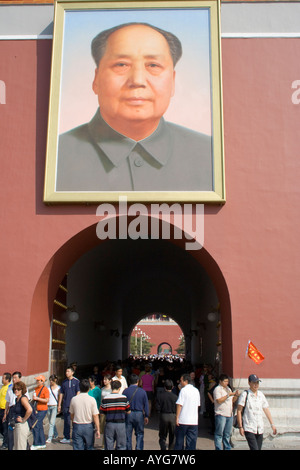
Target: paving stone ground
x: 204, y: 442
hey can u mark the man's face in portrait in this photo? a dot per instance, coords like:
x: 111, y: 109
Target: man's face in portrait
x: 134, y: 80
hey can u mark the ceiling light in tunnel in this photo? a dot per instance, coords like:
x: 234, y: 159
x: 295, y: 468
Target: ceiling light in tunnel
x: 212, y: 316
x: 73, y: 316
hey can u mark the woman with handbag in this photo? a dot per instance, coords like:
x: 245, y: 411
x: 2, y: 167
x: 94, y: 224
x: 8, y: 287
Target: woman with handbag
x: 22, y: 411
x: 52, y: 407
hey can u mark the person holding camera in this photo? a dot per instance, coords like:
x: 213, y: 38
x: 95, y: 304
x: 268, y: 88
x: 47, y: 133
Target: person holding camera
x: 224, y: 398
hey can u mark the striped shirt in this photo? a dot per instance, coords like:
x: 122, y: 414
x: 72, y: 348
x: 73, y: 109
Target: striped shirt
x: 115, y: 406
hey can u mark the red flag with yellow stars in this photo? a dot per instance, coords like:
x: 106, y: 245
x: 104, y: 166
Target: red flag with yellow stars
x: 254, y: 353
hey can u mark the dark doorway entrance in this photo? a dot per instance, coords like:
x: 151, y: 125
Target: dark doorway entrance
x: 119, y: 282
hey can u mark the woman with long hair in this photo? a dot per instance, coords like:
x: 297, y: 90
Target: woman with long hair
x: 22, y: 411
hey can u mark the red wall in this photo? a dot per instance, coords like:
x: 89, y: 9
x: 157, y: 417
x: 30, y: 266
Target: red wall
x: 252, y: 239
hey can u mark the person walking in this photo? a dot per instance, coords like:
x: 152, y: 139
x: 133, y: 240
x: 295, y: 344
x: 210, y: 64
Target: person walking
x: 84, y: 415
x: 115, y: 407
x: 118, y: 376
x: 54, y: 389
x: 252, y: 405
x: 147, y: 384
x: 40, y: 399
x: 139, y: 415
x: 6, y: 381
x: 166, y: 407
x: 224, y: 398
x: 105, y: 390
x: 94, y: 390
x: 187, y: 408
x: 210, y: 402
x: 69, y: 389
x: 159, y: 381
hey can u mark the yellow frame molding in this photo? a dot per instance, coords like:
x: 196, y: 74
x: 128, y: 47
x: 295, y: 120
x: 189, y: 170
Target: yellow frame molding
x: 217, y: 196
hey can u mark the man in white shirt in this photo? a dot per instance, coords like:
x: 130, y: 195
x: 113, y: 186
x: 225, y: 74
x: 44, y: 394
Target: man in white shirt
x: 85, y: 416
x: 187, y: 406
x: 224, y: 398
x: 120, y: 378
x: 254, y: 403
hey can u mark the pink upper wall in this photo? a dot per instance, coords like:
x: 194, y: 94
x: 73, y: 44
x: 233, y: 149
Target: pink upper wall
x: 252, y: 238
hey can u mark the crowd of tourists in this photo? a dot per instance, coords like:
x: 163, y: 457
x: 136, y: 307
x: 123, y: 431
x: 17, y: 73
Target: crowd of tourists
x: 104, y: 406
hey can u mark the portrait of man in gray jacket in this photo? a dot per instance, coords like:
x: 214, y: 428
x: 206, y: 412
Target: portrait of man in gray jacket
x: 128, y: 145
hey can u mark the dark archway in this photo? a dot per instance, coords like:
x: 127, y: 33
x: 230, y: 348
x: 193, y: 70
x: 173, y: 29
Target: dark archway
x: 162, y: 262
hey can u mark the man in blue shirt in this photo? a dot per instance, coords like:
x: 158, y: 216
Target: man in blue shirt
x: 139, y: 413
x: 69, y: 388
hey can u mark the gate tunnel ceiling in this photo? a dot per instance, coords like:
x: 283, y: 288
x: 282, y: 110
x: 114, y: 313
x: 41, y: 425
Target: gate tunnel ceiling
x: 122, y: 281
x: 140, y: 276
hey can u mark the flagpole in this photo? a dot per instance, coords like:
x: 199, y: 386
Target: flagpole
x: 243, y: 364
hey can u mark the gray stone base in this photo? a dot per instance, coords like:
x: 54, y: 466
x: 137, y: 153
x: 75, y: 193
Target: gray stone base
x: 283, y: 396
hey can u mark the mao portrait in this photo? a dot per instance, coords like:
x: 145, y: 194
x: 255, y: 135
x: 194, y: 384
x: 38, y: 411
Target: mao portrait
x: 128, y: 144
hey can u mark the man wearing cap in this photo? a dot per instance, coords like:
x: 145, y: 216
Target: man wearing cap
x: 254, y: 403
x: 40, y: 397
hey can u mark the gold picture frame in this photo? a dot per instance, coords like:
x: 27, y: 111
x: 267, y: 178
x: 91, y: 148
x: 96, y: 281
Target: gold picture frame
x: 198, y: 106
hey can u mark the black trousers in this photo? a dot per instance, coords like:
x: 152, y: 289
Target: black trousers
x: 167, y: 426
x: 3, y: 428
x: 10, y: 432
x: 254, y: 440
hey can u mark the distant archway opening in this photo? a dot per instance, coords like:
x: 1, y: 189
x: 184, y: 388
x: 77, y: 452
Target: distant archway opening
x: 164, y: 349
x: 157, y: 334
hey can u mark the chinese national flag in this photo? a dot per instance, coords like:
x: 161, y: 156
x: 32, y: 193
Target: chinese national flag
x: 254, y: 353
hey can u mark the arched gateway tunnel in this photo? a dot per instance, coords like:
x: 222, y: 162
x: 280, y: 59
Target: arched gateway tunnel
x: 113, y: 284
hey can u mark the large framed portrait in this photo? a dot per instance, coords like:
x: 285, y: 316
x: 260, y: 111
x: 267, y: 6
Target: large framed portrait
x: 135, y: 103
